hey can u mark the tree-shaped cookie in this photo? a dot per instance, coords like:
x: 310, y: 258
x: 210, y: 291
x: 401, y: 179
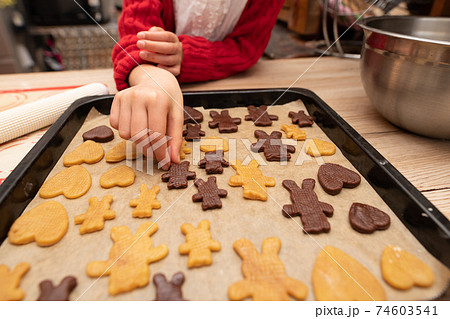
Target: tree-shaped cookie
x: 129, y: 258
x: 264, y: 274
x: 198, y: 244
x: 213, y: 162
x: 305, y: 204
x: 10, y: 281
x: 192, y: 115
x: 169, y: 290
x: 49, y: 292
x: 193, y: 132
x: 260, y: 116
x: 208, y: 193
x: 178, y: 175
x: 224, y: 121
x: 301, y: 119
x: 251, y: 179
x: 145, y: 202
x: 96, y: 214
x: 274, y: 149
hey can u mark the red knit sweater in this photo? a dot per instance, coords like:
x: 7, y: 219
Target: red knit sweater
x: 203, y: 60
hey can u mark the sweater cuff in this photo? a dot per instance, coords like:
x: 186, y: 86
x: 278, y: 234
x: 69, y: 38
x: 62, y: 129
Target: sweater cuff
x: 198, y: 61
x: 125, y: 57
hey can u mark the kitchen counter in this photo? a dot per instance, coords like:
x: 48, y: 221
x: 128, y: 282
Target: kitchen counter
x: 423, y: 161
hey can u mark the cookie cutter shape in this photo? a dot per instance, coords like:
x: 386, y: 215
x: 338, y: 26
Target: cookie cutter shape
x: 366, y: 219
x: 208, y: 193
x: 178, y: 175
x: 251, y: 179
x: 403, y: 270
x: 213, y: 143
x: 120, y: 152
x: 88, y: 152
x: 193, y: 132
x: 145, y: 202
x: 122, y: 176
x: 213, y: 162
x: 46, y: 224
x: 338, y: 277
x: 198, y: 245
x: 100, y: 134
x: 260, y: 116
x: 72, y: 182
x: 292, y: 131
x: 224, y: 121
x: 301, y: 119
x: 315, y: 148
x: 192, y: 115
x: 184, y: 150
x: 333, y: 177
x: 129, y: 258
x: 306, y: 204
x: 264, y: 274
x: 10, y: 281
x: 59, y: 293
x: 274, y: 149
x: 169, y: 290
x: 95, y: 216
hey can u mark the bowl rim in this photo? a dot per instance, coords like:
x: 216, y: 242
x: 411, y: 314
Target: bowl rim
x: 363, y: 24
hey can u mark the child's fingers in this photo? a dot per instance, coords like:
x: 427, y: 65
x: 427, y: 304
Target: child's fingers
x: 139, y: 121
x: 115, y: 112
x: 175, y: 70
x: 159, y: 47
x: 168, y: 60
x: 164, y: 36
x: 156, y: 29
x: 175, y: 131
x: 157, y: 120
x: 125, y: 120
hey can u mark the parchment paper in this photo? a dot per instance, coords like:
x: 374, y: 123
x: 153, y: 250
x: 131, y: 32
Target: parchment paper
x: 238, y: 218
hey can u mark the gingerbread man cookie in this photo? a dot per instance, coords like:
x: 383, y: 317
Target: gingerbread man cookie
x: 208, y: 193
x: 213, y: 162
x: 122, y: 176
x: 145, y: 202
x: 264, y: 274
x: 58, y: 293
x: 260, y: 116
x: 72, y: 182
x: 301, y: 119
x: 169, y: 290
x: 306, y: 204
x: 292, y: 131
x: 10, y: 281
x: 184, y: 150
x: 89, y: 152
x: 193, y: 132
x: 252, y: 180
x: 178, y: 175
x: 129, y: 258
x: 224, y: 121
x: 192, y: 115
x: 213, y: 143
x: 46, y: 224
x: 198, y: 245
x: 274, y: 149
x: 96, y: 214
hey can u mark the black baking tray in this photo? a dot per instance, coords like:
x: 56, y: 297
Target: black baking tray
x: 420, y: 216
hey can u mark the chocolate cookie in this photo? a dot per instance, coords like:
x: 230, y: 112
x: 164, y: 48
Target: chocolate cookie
x: 178, y: 175
x: 193, y: 132
x: 301, y: 119
x: 169, y: 290
x: 224, y: 121
x: 274, y: 149
x: 191, y: 115
x: 260, y: 116
x: 100, y: 134
x: 333, y: 177
x: 58, y: 293
x: 208, y: 193
x: 213, y: 162
x: 306, y: 204
x: 366, y: 219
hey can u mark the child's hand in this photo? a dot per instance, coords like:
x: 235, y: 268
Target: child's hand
x: 161, y: 48
x: 148, y: 106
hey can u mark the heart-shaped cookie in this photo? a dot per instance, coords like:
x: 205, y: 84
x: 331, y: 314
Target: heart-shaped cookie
x: 118, y: 176
x: 315, y: 147
x: 45, y: 224
x: 120, y: 152
x: 403, y: 270
x: 367, y: 219
x: 338, y: 277
x: 333, y: 177
x: 73, y: 182
x: 100, y: 134
x: 89, y: 152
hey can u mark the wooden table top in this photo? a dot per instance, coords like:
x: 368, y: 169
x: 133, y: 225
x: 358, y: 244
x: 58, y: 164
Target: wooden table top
x: 423, y: 161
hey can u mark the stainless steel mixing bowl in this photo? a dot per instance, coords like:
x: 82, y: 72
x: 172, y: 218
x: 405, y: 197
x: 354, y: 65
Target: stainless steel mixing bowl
x: 405, y: 70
